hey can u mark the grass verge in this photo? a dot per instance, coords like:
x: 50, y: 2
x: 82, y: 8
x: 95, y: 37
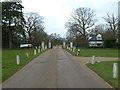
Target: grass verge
x: 9, y: 66
x: 104, y: 69
x: 98, y: 52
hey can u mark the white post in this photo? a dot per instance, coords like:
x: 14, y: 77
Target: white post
x: 42, y: 44
x: 18, y: 59
x: 45, y: 47
x: 115, y: 70
x: 39, y: 50
x: 73, y: 49
x: 71, y: 44
x: 34, y: 52
x: 78, y: 51
x: 27, y: 54
x: 64, y: 44
x: 49, y: 45
x: 36, y: 47
x: 93, y: 59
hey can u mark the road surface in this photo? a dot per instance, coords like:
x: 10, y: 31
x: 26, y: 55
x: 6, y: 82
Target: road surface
x: 54, y: 68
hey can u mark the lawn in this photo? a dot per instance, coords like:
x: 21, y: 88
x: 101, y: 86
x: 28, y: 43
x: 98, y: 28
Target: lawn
x: 0, y: 65
x: 98, y: 52
x: 9, y: 66
x: 104, y: 69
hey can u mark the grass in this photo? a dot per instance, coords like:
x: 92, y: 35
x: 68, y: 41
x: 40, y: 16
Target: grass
x: 104, y: 69
x: 0, y: 65
x: 98, y: 52
x: 9, y: 66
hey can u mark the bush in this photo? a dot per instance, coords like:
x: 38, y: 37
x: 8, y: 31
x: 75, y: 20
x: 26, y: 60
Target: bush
x: 110, y: 43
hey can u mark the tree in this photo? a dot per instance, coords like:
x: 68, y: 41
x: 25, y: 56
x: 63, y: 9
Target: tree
x: 12, y: 21
x: 34, y: 23
x: 55, y: 39
x: 81, y: 20
x: 112, y: 22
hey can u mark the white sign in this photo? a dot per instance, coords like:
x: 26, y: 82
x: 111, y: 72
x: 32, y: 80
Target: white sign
x: 18, y: 59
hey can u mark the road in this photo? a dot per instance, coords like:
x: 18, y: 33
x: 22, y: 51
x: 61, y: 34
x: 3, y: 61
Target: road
x: 54, y: 68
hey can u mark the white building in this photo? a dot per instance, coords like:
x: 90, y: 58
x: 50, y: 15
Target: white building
x: 95, y: 40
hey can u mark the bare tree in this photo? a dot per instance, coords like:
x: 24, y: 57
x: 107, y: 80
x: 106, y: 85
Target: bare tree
x: 81, y: 20
x: 112, y: 22
x: 33, y: 23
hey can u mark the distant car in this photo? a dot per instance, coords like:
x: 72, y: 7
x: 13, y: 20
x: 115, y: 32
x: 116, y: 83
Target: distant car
x: 25, y: 45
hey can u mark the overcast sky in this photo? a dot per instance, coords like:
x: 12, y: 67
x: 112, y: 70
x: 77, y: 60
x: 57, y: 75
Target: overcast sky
x: 57, y: 12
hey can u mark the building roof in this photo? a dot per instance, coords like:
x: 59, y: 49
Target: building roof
x: 95, y: 37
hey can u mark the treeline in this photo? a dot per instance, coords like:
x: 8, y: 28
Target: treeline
x: 83, y: 23
x: 19, y: 27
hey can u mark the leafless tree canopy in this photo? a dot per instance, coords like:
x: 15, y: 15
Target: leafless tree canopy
x: 81, y: 20
x: 33, y: 23
x: 112, y: 22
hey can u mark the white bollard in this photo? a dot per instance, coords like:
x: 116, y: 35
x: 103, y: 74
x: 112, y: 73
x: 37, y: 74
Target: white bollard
x: 27, y: 54
x: 34, y: 52
x: 38, y: 50
x: 115, y: 70
x: 18, y: 59
x: 93, y: 59
x: 78, y: 51
x: 73, y: 50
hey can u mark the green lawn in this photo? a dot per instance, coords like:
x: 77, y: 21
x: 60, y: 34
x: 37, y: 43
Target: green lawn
x: 104, y: 69
x: 9, y: 66
x: 98, y: 52
x: 0, y: 65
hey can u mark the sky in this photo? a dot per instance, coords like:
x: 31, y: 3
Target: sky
x: 57, y: 12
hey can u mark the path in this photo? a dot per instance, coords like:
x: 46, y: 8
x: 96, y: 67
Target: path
x: 54, y: 69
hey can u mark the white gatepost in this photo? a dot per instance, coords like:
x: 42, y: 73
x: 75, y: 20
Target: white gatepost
x: 73, y: 49
x: 27, y: 54
x: 64, y: 45
x: 115, y: 70
x: 49, y: 45
x: 18, y: 59
x: 35, y: 52
x: 43, y: 45
x: 39, y: 50
x: 71, y: 44
x: 93, y: 59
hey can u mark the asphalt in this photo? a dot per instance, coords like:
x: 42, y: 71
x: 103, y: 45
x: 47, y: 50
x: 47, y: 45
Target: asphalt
x: 54, y: 68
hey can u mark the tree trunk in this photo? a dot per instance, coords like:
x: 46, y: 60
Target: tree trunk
x: 10, y: 40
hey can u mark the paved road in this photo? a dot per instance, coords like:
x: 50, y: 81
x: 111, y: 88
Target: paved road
x: 54, y: 69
